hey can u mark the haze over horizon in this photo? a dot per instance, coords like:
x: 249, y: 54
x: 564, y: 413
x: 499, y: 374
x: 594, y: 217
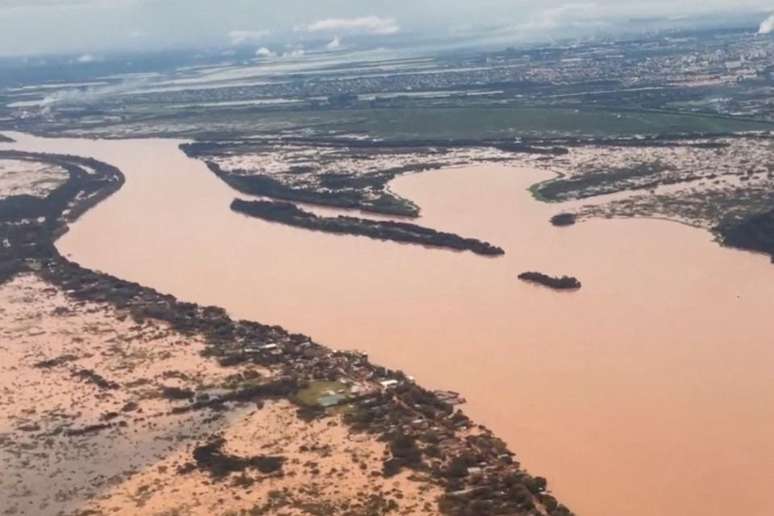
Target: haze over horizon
x: 33, y: 27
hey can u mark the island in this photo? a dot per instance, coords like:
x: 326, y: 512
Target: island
x: 564, y: 219
x: 556, y: 283
x: 292, y: 215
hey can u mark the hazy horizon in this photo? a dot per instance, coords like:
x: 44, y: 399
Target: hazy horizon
x: 33, y: 27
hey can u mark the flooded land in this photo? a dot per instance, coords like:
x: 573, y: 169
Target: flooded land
x: 646, y: 392
x: 118, y: 412
x: 126, y: 397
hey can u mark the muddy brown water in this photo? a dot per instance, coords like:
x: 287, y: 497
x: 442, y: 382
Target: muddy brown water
x: 648, y: 392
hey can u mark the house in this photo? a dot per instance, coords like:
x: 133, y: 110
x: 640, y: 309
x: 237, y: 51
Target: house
x: 388, y: 384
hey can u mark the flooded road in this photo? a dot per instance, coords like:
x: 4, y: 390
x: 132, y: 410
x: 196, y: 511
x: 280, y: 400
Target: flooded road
x: 648, y: 392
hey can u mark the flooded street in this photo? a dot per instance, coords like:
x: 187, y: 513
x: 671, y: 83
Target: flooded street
x: 648, y: 392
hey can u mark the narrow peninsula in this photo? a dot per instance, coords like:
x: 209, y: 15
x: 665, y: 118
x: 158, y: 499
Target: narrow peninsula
x: 554, y: 282
x: 292, y: 215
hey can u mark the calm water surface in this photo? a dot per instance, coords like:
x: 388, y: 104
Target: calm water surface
x: 648, y: 392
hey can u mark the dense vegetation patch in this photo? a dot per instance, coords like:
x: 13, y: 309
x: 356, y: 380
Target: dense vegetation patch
x: 556, y: 283
x: 563, y: 219
x: 290, y: 214
x: 212, y: 458
x: 755, y: 233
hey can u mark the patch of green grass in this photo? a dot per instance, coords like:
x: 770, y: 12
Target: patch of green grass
x: 511, y: 121
x: 448, y: 122
x: 310, y: 396
x: 535, y: 191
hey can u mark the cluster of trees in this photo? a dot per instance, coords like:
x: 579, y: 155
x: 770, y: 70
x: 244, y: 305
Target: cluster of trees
x: 754, y: 233
x: 211, y: 457
x: 290, y: 214
x: 563, y: 219
x: 557, y: 283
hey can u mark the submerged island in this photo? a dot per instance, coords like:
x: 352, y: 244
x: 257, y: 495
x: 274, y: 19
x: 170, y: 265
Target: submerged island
x: 564, y: 219
x: 554, y: 282
x: 292, y: 215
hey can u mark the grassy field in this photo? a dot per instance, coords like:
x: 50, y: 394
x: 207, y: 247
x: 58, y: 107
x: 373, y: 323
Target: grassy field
x: 491, y: 122
x: 399, y: 123
x: 515, y: 121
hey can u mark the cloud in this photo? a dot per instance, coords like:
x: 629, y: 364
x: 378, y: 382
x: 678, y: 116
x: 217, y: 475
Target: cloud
x: 364, y: 25
x: 68, y: 4
x: 74, y: 27
x: 243, y: 37
x: 569, y: 15
x: 767, y: 26
x: 334, y: 44
x: 77, y: 96
x: 264, y: 52
x: 87, y: 58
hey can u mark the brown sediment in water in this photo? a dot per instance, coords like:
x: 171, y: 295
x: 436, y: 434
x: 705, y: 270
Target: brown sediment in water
x: 633, y: 396
x: 326, y: 469
x: 83, y: 434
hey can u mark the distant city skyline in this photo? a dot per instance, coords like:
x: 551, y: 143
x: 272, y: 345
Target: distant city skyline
x: 29, y: 27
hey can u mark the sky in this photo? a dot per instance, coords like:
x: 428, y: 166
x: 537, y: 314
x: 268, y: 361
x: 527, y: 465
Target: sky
x: 91, y: 27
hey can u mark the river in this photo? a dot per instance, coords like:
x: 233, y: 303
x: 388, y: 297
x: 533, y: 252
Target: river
x: 648, y: 392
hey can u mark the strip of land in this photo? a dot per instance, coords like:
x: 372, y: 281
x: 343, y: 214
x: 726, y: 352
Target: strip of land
x: 292, y: 215
x: 556, y: 283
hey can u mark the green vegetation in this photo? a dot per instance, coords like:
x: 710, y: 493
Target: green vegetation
x: 563, y: 219
x: 290, y: 214
x: 598, y: 183
x: 348, y: 198
x: 755, y: 233
x: 509, y: 121
x: 211, y: 458
x: 310, y: 395
x: 556, y: 283
x: 504, y: 121
x: 405, y: 452
x: 407, y: 122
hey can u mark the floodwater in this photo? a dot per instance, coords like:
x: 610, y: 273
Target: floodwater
x: 648, y: 392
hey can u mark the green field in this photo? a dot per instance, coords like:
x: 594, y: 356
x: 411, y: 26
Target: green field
x: 479, y: 122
